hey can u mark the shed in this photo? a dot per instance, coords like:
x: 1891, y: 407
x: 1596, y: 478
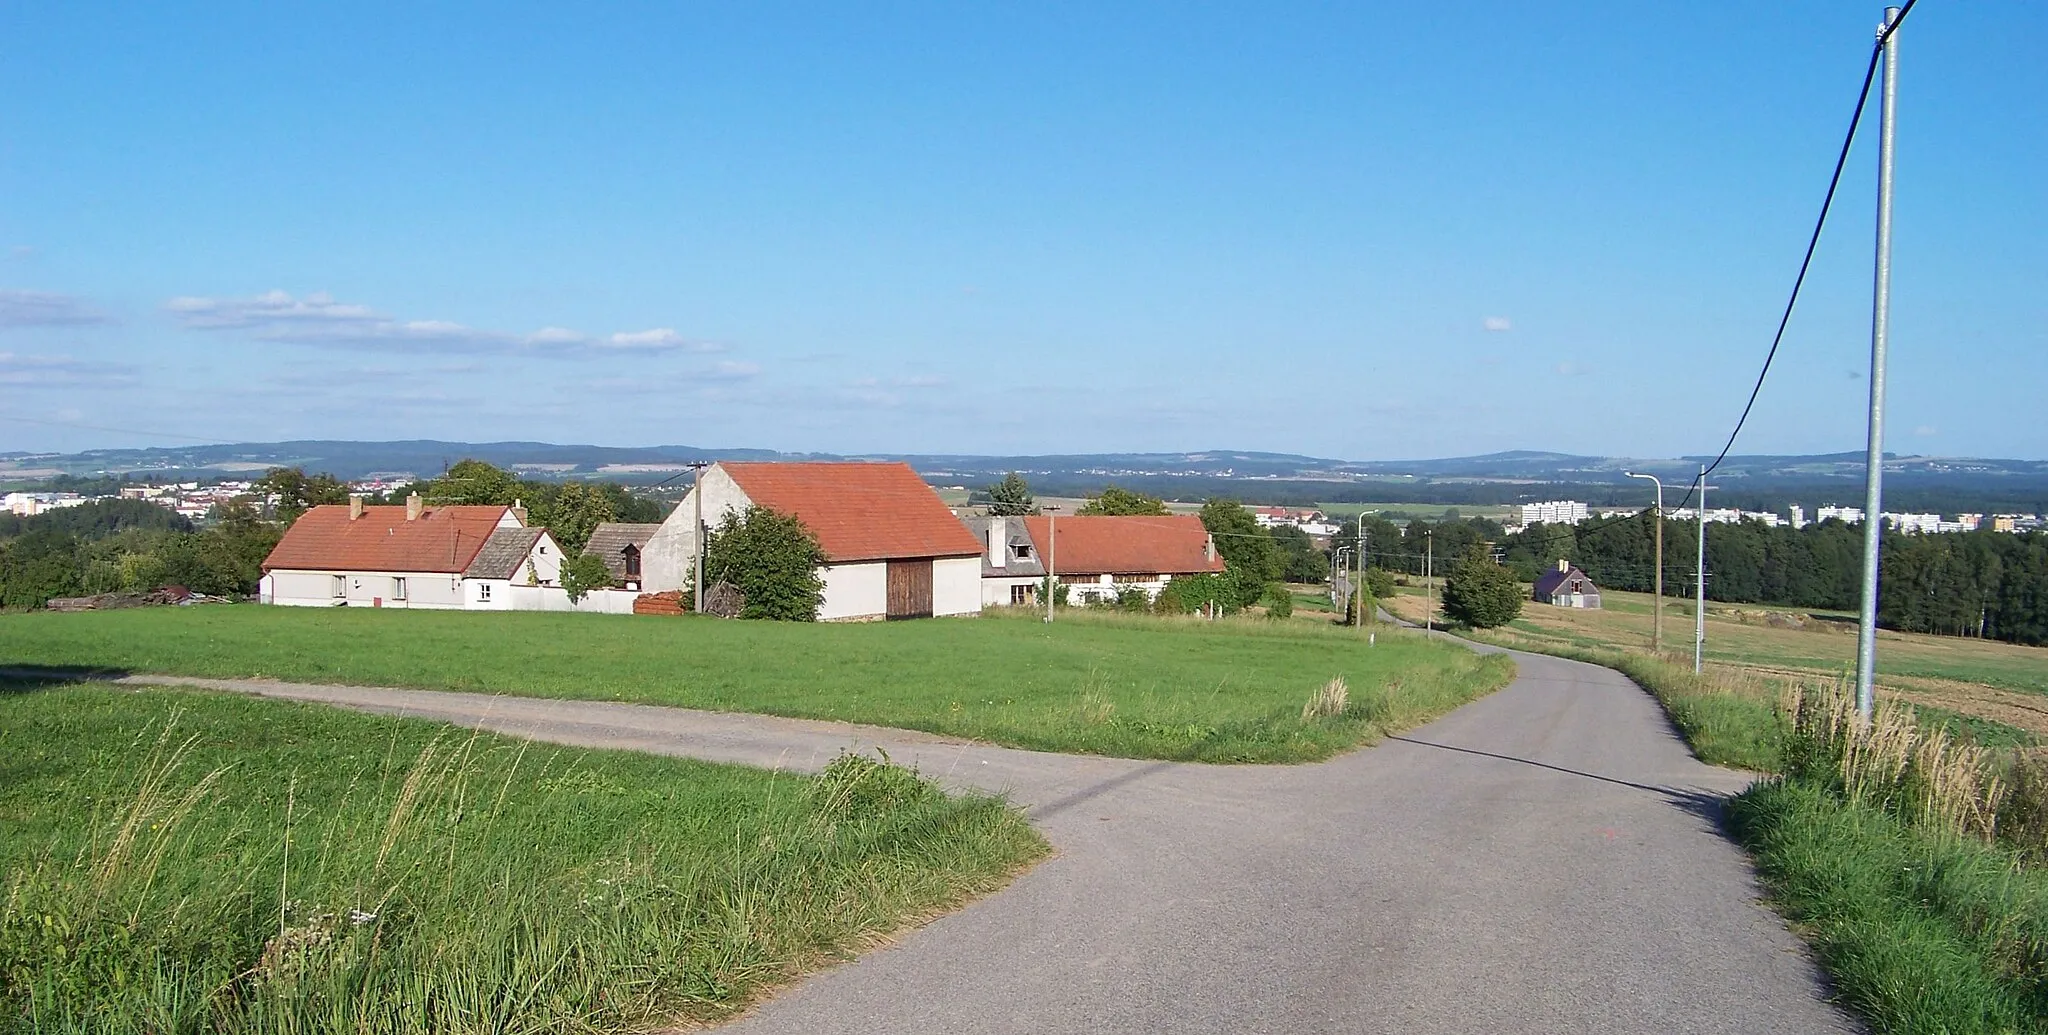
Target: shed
x: 1567, y: 586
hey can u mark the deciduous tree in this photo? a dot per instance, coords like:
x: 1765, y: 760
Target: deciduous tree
x: 773, y: 559
x: 1117, y: 501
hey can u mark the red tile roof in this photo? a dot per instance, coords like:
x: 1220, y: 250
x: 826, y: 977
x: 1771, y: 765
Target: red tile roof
x: 859, y: 511
x: 1131, y: 545
x: 443, y: 539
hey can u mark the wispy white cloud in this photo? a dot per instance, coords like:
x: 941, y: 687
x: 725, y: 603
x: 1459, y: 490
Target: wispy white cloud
x: 724, y: 372
x: 318, y: 320
x: 19, y: 371
x: 657, y: 339
x: 1570, y: 369
x: 20, y: 308
x: 1926, y: 431
x: 1498, y: 324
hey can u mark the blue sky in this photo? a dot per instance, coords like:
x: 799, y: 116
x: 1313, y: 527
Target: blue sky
x: 1366, y: 230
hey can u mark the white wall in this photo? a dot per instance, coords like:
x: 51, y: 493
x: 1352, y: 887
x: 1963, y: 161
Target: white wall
x: 424, y: 589
x: 665, y: 561
x: 546, y: 559
x: 995, y: 589
x: 858, y: 590
x: 956, y: 586
x: 555, y: 598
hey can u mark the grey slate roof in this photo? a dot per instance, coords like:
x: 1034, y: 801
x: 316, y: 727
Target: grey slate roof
x: 1548, y: 583
x: 503, y: 553
x: 1018, y: 567
x: 612, y: 537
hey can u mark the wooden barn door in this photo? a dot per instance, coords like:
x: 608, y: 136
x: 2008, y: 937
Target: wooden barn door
x: 910, y: 589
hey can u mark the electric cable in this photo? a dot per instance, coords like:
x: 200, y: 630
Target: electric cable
x: 1812, y: 242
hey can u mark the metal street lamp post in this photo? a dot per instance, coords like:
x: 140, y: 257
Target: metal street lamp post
x: 1657, y: 615
x: 1699, y: 604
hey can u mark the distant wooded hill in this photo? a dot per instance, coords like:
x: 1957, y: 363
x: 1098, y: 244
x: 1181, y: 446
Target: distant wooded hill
x: 1918, y: 483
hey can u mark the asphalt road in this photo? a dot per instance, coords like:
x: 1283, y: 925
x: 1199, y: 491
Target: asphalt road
x: 1545, y: 860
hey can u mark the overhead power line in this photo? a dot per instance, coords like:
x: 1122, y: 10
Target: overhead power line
x: 1813, y: 241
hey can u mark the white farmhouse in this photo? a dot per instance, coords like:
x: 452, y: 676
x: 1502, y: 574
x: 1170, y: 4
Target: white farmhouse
x: 411, y: 556
x: 892, y: 549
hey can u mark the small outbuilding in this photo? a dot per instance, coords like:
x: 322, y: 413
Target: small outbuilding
x: 1567, y: 586
x: 621, y: 545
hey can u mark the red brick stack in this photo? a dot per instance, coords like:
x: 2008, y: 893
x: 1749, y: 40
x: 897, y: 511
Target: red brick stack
x: 669, y: 603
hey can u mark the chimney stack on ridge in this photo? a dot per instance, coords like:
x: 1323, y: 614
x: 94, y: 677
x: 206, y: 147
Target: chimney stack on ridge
x: 355, y: 506
x: 413, y: 506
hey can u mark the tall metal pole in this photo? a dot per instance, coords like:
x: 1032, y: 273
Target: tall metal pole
x: 1699, y: 604
x: 1359, y: 586
x: 697, y: 536
x: 1052, y: 579
x: 1880, y: 328
x: 1657, y: 613
x: 1428, y: 586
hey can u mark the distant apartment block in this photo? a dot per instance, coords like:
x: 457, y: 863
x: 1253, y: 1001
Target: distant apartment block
x: 1555, y: 512
x: 1846, y: 515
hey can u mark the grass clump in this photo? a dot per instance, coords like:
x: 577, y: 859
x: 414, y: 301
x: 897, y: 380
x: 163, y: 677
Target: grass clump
x: 180, y: 862
x: 1328, y: 702
x: 1911, y: 859
x: 1099, y: 682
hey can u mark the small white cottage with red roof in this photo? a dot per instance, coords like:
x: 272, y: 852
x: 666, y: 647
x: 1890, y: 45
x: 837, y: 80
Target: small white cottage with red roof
x: 411, y: 556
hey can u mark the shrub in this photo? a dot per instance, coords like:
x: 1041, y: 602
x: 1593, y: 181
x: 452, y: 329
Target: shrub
x: 773, y: 559
x: 1379, y: 582
x: 1482, y: 594
x: 583, y: 574
x: 1279, y: 601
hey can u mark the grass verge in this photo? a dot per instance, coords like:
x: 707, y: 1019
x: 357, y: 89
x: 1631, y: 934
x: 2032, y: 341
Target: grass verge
x: 1909, y: 858
x: 1129, y: 685
x: 186, y: 862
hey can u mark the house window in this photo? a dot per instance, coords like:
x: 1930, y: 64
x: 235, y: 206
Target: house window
x: 1138, y: 577
x: 483, y: 592
x: 1021, y: 551
x: 337, y: 587
x: 1020, y: 594
x: 1080, y: 580
x: 632, y: 562
x: 398, y: 589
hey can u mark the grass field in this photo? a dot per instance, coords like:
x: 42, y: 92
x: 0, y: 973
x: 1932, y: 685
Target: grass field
x: 1135, y: 686
x: 1982, y: 680
x: 183, y: 862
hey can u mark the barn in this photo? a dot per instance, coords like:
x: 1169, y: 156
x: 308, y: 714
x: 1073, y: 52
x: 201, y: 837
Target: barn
x: 892, y: 548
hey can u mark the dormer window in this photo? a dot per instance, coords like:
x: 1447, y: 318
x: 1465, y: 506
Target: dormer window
x: 1021, y: 551
x: 632, y: 561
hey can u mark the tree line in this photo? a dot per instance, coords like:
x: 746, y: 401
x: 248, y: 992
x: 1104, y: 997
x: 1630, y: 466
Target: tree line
x: 1986, y: 584
x: 129, y: 545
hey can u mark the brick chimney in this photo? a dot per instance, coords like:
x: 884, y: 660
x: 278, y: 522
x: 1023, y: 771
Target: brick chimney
x: 1563, y: 565
x: 1209, y: 549
x: 519, y: 511
x: 355, y: 507
x: 413, y: 506
x: 998, y: 542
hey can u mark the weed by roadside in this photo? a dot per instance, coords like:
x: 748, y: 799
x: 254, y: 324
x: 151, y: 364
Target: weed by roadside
x: 1911, y: 858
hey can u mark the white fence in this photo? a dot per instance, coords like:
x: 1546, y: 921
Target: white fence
x: 555, y: 598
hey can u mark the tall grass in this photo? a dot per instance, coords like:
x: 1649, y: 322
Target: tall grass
x: 173, y: 869
x: 1910, y: 856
